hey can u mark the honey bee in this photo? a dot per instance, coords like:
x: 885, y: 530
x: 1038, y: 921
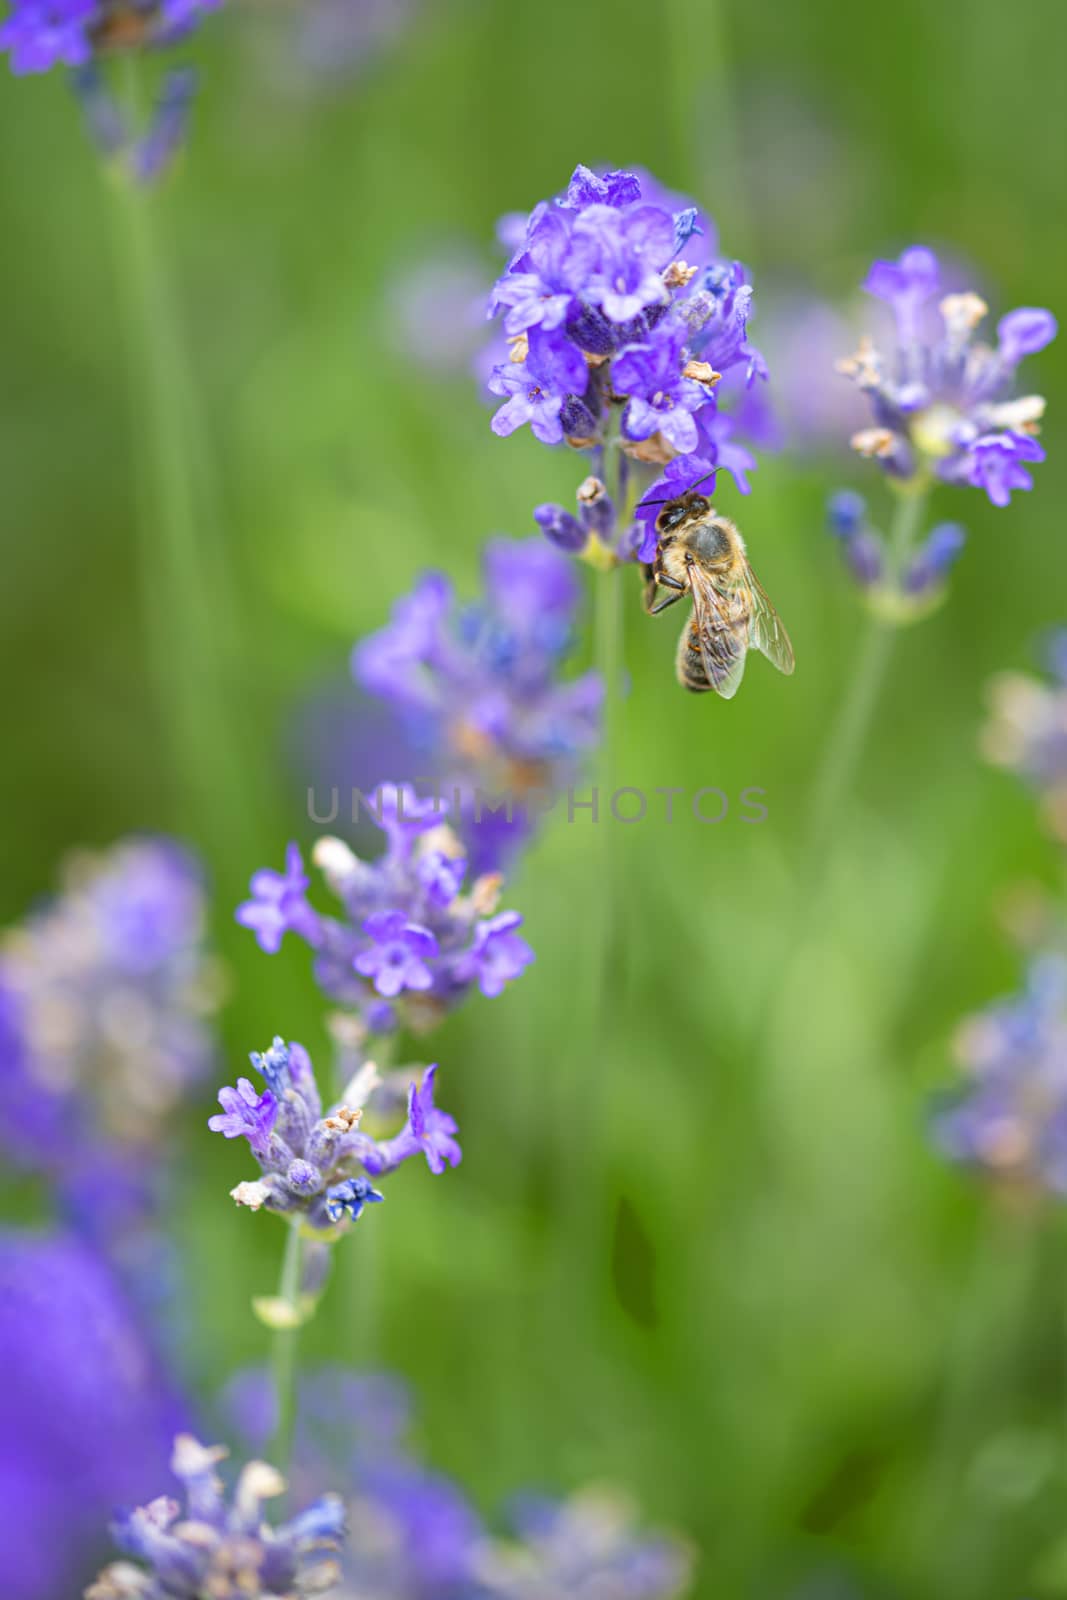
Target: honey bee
x: 701, y: 553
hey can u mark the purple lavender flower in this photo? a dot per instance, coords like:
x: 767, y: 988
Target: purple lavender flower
x: 315, y: 1166
x: 480, y: 688
x: 498, y: 954
x: 107, y: 994
x: 943, y: 404
x: 278, y: 905
x: 996, y: 464
x: 1027, y: 732
x: 601, y: 310
x: 1011, y: 1118
x: 246, y: 1115
x: 40, y: 34
x: 427, y: 1129
x: 221, y: 1548
x: 399, y: 953
x: 86, y: 1414
x: 409, y: 936
x: 537, y: 388
x: 662, y: 398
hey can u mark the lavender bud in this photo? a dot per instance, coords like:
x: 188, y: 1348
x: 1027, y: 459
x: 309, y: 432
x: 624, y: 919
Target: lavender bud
x: 560, y: 527
x: 930, y: 566
x: 596, y: 510
x: 303, y: 1178
x: 865, y: 557
x: 577, y: 420
x: 846, y: 513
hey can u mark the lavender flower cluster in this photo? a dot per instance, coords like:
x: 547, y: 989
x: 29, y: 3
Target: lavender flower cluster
x: 317, y: 1167
x: 479, y: 689
x: 603, y: 313
x: 1027, y: 732
x: 40, y: 34
x: 414, y: 1533
x: 943, y: 403
x: 221, y: 1547
x: 106, y: 998
x: 1010, y: 1118
x: 412, y: 944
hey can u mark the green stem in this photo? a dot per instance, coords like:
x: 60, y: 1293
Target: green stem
x: 188, y: 612
x: 849, y: 737
x: 283, y: 1361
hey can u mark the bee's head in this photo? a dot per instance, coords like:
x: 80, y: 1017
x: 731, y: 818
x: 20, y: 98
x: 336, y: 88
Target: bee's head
x: 677, y: 512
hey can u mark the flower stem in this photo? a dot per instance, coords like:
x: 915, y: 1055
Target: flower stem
x: 283, y: 1361
x: 188, y: 611
x: 849, y: 736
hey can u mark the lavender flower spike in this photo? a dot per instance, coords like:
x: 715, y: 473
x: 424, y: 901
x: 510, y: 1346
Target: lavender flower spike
x: 314, y: 1166
x: 943, y: 404
x: 220, y: 1547
x: 600, y: 309
x: 1009, y: 1118
x: 480, y: 687
x: 410, y: 937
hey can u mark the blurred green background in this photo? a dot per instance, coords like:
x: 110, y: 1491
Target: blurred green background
x: 699, y: 1245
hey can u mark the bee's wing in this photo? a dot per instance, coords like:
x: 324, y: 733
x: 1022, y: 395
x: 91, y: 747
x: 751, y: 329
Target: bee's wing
x: 722, y: 645
x: 766, y: 632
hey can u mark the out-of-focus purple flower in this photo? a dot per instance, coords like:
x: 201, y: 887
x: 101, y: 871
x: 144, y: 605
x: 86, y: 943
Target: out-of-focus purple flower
x: 583, y: 1546
x: 106, y: 994
x: 498, y: 953
x: 905, y: 285
x: 86, y: 1414
x: 1011, y: 1117
x: 410, y: 936
x: 997, y: 464
x: 436, y: 309
x: 898, y: 596
x: 941, y: 402
x: 414, y: 1534
x: 601, y: 309
x: 278, y: 905
x: 40, y: 34
x: 337, y: 38
x: 929, y: 567
x: 1027, y: 732
x: 480, y: 689
x: 214, y: 1546
x: 314, y: 1165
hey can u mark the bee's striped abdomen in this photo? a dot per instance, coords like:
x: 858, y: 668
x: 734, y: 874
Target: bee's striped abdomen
x: 725, y: 643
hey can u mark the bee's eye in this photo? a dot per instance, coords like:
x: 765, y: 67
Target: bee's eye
x: 699, y: 506
x: 672, y: 517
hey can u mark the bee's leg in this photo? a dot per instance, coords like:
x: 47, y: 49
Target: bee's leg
x: 654, y: 577
x: 671, y: 600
